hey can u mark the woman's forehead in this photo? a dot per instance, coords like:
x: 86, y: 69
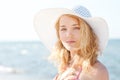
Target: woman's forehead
x: 68, y: 20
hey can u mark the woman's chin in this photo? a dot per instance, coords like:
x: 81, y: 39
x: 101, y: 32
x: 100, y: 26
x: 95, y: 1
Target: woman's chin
x: 72, y: 48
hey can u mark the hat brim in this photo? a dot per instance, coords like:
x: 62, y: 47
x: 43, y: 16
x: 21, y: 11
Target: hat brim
x: 44, y: 22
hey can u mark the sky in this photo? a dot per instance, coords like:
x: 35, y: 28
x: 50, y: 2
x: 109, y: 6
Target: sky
x: 16, y: 16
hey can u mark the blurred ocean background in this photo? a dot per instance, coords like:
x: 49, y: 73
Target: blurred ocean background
x: 28, y: 61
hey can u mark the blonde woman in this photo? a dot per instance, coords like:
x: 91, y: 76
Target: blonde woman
x: 79, y: 42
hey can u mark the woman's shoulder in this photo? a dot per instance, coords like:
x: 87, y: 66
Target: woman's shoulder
x: 99, y: 71
x: 99, y: 66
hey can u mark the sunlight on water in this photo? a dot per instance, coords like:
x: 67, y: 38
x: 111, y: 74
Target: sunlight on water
x: 28, y: 61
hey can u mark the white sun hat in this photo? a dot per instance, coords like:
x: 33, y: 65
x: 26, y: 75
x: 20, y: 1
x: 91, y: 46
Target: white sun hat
x: 44, y: 23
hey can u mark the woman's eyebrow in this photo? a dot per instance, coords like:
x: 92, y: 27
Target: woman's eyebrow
x: 71, y: 25
x: 62, y: 26
x: 75, y: 24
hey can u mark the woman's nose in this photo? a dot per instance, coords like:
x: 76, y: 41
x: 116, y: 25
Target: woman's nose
x: 69, y: 34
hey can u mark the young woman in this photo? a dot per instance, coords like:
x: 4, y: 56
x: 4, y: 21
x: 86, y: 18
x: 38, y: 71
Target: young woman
x: 79, y: 42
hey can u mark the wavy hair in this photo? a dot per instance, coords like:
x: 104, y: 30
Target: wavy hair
x: 86, y: 55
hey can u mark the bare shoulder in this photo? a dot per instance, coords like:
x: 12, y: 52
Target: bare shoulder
x: 100, y: 72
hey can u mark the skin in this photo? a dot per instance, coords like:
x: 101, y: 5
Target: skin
x: 69, y: 32
x: 97, y: 72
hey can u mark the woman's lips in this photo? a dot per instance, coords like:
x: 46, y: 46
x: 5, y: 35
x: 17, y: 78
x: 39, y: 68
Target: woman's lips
x: 70, y: 41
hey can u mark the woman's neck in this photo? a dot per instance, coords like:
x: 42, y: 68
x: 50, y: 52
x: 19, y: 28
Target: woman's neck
x: 74, y: 59
x: 72, y: 53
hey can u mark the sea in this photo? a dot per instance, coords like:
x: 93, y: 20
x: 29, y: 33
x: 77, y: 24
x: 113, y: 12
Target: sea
x: 28, y: 60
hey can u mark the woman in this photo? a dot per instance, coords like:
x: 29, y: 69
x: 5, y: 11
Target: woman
x: 79, y: 42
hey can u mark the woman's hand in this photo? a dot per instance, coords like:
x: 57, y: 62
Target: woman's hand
x: 70, y: 74
x: 71, y: 77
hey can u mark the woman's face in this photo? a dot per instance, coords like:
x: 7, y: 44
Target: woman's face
x: 69, y: 32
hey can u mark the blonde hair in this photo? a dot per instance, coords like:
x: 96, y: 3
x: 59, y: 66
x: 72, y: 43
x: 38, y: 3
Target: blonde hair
x: 88, y: 47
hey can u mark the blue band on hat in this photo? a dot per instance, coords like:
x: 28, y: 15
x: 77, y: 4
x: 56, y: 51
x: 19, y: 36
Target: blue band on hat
x: 82, y: 11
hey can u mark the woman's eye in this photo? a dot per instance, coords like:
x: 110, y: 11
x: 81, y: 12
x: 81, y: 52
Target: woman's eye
x: 77, y: 28
x: 63, y: 29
